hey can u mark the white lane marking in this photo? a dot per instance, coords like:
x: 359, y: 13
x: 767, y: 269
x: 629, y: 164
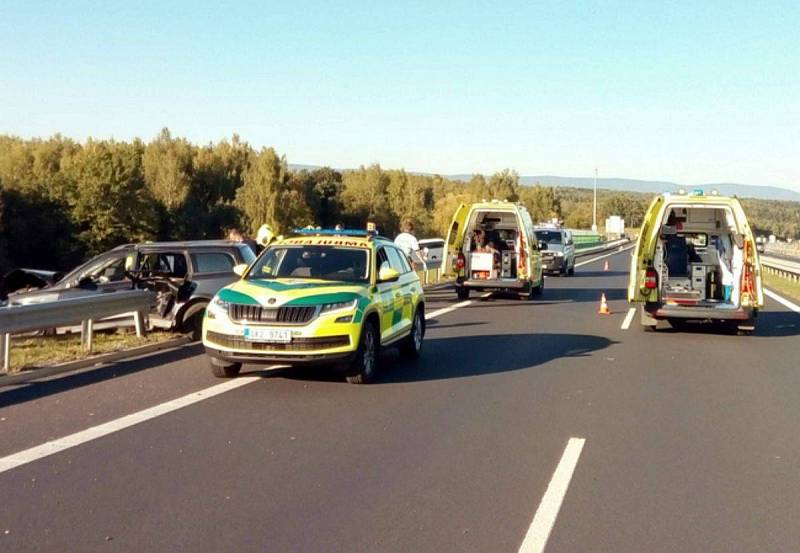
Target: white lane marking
x: 599, y: 257
x: 444, y: 310
x: 780, y: 299
x: 626, y: 324
x: 49, y: 448
x: 539, y: 531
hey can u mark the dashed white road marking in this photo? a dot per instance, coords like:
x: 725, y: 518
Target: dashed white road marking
x: 783, y: 301
x: 599, y: 257
x: 444, y: 310
x: 545, y: 517
x: 55, y: 446
x: 626, y: 324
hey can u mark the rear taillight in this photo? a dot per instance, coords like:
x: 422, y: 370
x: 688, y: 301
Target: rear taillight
x: 460, y: 261
x: 651, y: 279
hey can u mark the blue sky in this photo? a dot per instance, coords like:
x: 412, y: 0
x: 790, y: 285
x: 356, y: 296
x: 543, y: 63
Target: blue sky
x: 690, y: 92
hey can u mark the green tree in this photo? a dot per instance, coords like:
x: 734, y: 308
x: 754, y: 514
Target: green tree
x: 111, y: 204
x: 259, y: 196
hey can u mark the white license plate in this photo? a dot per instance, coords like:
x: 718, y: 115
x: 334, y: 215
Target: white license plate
x: 273, y: 335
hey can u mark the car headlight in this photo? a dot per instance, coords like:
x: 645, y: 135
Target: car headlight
x: 339, y: 306
x: 218, y: 306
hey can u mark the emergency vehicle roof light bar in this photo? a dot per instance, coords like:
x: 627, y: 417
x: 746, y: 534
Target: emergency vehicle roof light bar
x: 334, y: 232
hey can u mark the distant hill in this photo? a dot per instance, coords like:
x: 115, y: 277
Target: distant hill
x: 632, y: 185
x: 655, y: 187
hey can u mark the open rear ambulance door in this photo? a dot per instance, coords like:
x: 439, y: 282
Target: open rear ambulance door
x: 643, y: 254
x: 455, y: 238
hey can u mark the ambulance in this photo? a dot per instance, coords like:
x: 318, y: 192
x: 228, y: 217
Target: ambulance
x: 493, y: 246
x: 696, y: 260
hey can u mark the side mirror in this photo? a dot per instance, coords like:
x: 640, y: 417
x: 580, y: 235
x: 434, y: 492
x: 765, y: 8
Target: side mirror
x: 542, y: 245
x: 387, y: 274
x: 240, y: 269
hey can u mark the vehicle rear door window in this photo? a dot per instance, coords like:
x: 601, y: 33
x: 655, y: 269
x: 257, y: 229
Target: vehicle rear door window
x: 212, y: 262
x: 171, y: 264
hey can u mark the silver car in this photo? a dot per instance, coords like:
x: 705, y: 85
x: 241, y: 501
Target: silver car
x: 201, y: 267
x: 559, y: 257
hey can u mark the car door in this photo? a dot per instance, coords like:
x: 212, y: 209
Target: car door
x: 386, y: 296
x: 212, y: 270
x: 455, y: 238
x: 642, y: 257
x: 404, y: 290
x: 166, y: 264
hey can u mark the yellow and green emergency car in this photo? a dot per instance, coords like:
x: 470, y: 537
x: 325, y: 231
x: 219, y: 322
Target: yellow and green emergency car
x: 318, y: 297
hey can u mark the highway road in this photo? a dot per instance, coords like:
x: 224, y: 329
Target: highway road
x: 525, y: 426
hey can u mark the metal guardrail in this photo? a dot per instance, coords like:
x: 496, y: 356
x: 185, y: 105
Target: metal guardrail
x: 781, y: 267
x: 84, y: 310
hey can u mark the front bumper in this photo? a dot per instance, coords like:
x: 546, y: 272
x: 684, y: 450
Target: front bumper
x: 272, y: 359
x: 554, y: 264
x: 322, y: 339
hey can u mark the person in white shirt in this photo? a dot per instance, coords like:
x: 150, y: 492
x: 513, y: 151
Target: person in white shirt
x: 407, y: 242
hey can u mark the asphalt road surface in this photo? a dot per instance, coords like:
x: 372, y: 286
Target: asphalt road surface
x: 525, y: 426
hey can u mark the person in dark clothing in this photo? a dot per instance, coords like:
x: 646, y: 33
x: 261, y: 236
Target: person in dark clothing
x: 236, y: 235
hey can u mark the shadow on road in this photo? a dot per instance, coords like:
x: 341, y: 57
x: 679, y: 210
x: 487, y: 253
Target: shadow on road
x: 56, y: 384
x: 464, y: 356
x: 777, y: 323
x: 597, y: 274
x: 584, y: 294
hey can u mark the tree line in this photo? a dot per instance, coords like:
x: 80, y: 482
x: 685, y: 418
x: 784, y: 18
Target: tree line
x: 62, y: 201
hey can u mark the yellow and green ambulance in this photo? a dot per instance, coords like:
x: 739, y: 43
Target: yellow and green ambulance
x: 333, y: 297
x: 696, y: 260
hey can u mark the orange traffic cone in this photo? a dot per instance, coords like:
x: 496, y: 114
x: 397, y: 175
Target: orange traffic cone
x: 604, y: 310
x: 605, y: 267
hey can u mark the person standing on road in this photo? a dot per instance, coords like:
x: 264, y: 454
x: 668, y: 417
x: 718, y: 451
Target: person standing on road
x: 407, y: 242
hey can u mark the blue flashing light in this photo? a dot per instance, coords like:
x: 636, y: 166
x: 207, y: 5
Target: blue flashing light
x: 332, y: 232
x: 697, y: 192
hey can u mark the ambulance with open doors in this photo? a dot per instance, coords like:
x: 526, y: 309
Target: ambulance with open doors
x: 493, y: 246
x: 696, y: 260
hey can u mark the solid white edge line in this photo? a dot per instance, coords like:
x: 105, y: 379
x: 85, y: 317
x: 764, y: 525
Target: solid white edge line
x: 626, y: 324
x: 780, y: 299
x: 599, y: 257
x: 545, y: 517
x: 55, y: 446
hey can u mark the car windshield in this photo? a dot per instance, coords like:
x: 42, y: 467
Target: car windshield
x: 549, y: 236
x: 313, y: 262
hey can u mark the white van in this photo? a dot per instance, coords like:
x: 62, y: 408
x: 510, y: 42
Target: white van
x: 492, y: 246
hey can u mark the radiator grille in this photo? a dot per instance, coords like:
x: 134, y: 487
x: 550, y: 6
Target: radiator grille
x: 258, y: 314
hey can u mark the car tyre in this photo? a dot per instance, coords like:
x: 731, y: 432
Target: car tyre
x: 363, y: 366
x: 193, y: 325
x: 222, y: 369
x: 412, y: 346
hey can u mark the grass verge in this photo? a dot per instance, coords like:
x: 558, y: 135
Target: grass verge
x: 39, y: 351
x: 782, y: 285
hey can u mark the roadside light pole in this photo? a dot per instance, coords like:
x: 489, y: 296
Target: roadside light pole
x: 594, y: 206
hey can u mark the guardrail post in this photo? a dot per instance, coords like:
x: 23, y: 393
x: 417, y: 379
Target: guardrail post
x: 87, y: 335
x: 138, y: 321
x: 5, y: 351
